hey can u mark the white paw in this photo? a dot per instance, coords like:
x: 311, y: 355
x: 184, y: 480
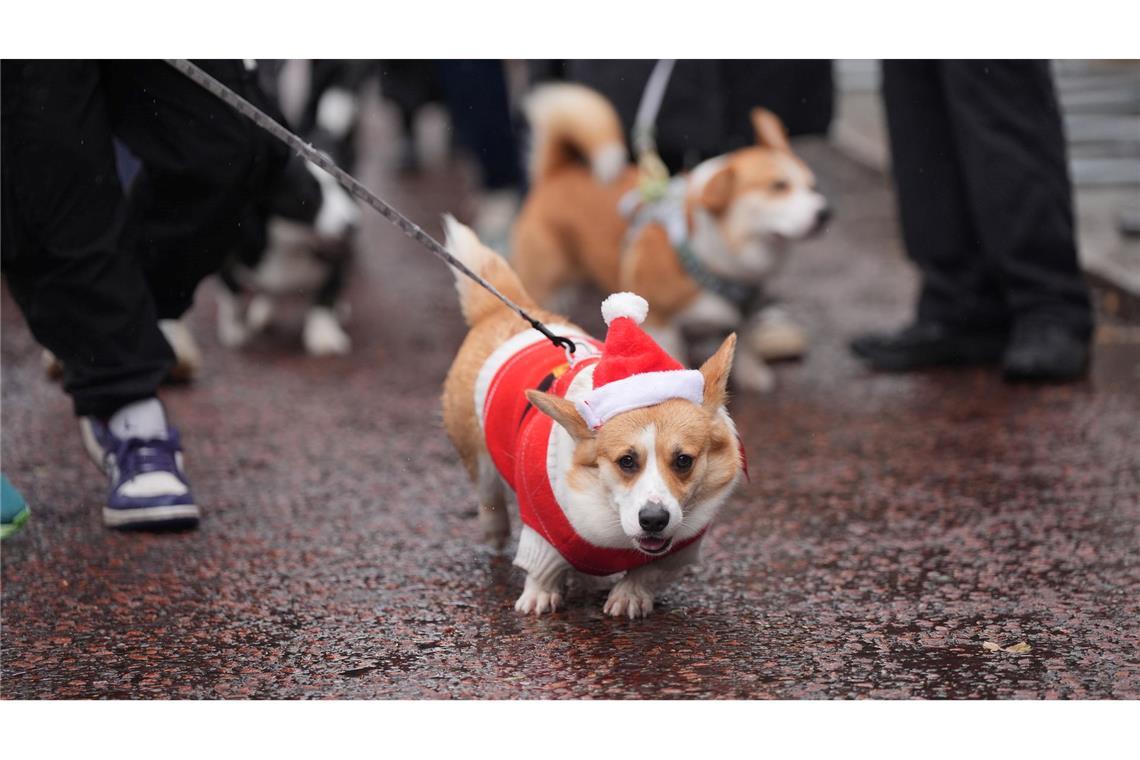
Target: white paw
x: 537, y: 600
x: 628, y: 599
x: 323, y: 335
x: 775, y: 336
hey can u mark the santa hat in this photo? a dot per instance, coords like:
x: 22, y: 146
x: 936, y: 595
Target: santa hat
x: 634, y: 371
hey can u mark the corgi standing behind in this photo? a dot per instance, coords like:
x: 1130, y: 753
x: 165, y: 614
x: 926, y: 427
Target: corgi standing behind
x: 700, y: 256
x: 619, y: 457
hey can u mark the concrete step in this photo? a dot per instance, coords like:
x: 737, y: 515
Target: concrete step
x: 1088, y: 172
x: 1086, y: 127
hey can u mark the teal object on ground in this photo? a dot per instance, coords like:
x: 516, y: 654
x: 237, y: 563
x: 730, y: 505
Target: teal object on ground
x: 13, y: 508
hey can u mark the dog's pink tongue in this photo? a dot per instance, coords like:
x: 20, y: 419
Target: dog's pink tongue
x: 652, y: 544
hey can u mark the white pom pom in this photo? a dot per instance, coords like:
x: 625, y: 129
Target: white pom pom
x: 625, y: 305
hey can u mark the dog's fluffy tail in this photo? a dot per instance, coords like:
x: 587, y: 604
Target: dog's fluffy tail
x: 570, y: 123
x: 478, y: 303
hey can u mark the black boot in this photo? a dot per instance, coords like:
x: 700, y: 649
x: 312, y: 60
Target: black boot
x: 1046, y: 352
x: 929, y: 344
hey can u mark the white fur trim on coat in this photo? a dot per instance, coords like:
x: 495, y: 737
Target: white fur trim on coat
x: 637, y: 391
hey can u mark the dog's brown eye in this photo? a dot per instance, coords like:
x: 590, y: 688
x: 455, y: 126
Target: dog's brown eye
x: 683, y: 463
x: 628, y: 463
x: 779, y: 186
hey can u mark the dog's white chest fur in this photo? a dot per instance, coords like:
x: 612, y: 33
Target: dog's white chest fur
x: 587, y: 511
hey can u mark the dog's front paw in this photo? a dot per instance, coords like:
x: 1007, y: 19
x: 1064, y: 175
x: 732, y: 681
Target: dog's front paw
x: 323, y: 335
x: 537, y: 600
x: 628, y: 599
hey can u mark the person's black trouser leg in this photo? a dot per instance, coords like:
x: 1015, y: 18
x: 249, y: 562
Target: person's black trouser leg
x: 62, y: 211
x: 1011, y: 150
x: 960, y: 285
x: 204, y: 165
x: 91, y: 273
x: 477, y: 99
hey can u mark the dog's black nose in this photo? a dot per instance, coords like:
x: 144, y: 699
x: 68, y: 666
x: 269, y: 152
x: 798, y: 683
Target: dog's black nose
x: 822, y: 217
x: 653, y: 518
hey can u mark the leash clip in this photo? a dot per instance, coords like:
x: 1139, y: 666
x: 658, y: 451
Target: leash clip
x: 572, y: 357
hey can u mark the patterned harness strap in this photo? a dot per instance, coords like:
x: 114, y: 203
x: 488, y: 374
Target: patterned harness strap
x: 668, y: 210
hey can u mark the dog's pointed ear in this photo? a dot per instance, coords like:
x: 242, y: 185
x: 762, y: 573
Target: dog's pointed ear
x: 715, y: 372
x: 717, y: 191
x: 561, y: 411
x: 769, y: 130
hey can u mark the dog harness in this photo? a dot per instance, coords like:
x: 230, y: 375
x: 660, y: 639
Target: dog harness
x: 668, y: 211
x: 518, y: 439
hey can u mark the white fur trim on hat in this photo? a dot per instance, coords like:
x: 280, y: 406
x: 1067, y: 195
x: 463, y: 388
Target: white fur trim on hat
x: 637, y: 391
x: 625, y: 305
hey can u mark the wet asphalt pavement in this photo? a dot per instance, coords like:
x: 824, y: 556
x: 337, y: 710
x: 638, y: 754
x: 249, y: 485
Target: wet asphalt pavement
x: 893, y: 525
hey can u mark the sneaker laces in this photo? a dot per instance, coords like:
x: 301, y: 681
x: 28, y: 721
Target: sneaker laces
x: 136, y: 456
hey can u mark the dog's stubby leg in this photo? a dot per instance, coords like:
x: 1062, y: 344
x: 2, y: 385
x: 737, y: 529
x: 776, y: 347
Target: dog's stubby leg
x: 633, y: 595
x: 750, y: 373
x: 493, y: 515
x: 545, y: 571
x: 774, y: 336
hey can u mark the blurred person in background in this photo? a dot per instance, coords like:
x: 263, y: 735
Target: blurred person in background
x: 705, y: 110
x: 94, y: 270
x: 485, y: 124
x: 985, y: 201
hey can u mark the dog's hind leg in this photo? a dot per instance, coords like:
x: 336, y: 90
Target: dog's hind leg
x: 493, y: 516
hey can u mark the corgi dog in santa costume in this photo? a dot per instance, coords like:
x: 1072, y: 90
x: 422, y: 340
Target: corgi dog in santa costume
x: 619, y: 457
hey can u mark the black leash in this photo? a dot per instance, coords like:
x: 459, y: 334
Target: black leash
x: 407, y: 226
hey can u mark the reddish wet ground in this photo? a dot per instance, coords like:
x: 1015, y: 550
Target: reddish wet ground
x: 892, y: 526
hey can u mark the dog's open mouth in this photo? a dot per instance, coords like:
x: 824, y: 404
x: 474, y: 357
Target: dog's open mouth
x: 653, y: 545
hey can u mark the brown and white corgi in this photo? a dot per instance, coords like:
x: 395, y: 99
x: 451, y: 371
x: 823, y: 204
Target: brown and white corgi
x: 618, y: 456
x: 699, y: 256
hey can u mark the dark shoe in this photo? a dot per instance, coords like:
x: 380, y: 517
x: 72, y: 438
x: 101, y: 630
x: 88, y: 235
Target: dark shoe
x: 148, y: 487
x: 929, y: 344
x: 1046, y: 352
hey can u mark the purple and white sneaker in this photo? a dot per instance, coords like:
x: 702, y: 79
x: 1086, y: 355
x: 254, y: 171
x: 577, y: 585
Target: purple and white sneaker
x: 148, y: 487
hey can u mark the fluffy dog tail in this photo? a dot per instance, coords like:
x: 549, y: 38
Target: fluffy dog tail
x: 570, y: 123
x: 478, y: 303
